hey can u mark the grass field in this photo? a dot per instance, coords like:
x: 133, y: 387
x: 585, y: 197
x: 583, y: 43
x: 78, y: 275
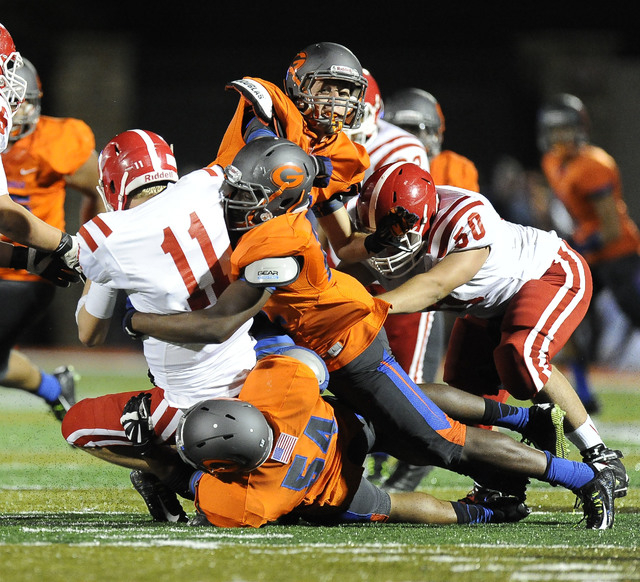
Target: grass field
x: 65, y: 516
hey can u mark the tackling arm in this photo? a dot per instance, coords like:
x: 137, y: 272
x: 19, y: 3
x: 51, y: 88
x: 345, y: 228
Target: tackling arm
x: 237, y: 304
x: 425, y: 289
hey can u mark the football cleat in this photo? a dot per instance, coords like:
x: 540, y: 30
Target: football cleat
x: 199, y: 520
x: 67, y: 377
x: 605, y: 456
x: 545, y: 430
x: 162, y: 503
x: 597, y: 499
x: 494, y: 499
x: 507, y: 509
x: 405, y: 477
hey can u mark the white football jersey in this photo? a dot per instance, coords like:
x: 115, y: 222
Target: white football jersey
x: 171, y: 255
x: 393, y: 144
x: 5, y: 131
x: 467, y: 220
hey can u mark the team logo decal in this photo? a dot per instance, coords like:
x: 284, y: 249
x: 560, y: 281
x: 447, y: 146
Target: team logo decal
x: 288, y: 176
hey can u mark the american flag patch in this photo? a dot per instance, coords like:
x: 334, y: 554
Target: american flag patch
x: 284, y: 447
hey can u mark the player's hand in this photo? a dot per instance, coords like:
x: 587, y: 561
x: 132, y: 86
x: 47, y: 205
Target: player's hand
x: 45, y: 265
x: 68, y: 250
x: 127, y: 326
x: 324, y: 169
x: 137, y: 422
x: 391, y: 228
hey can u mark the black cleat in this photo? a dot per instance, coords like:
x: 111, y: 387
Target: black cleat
x: 508, y: 508
x: 162, y: 503
x: 605, y: 456
x: 405, y: 477
x: 199, y: 520
x: 545, y: 430
x: 67, y: 377
x: 597, y: 499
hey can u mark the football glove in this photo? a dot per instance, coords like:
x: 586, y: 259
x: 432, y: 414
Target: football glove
x: 324, y: 169
x: 390, y: 229
x: 68, y: 250
x: 137, y: 423
x: 45, y: 265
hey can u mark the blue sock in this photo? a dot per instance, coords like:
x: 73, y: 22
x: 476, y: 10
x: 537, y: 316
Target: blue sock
x: 49, y: 388
x: 504, y: 415
x: 579, y: 372
x: 471, y: 512
x: 569, y: 474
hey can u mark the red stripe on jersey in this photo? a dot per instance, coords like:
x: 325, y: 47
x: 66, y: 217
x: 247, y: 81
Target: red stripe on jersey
x: 83, y: 233
x: 453, y: 221
x: 383, y: 161
x: 211, y: 172
x: 102, y: 226
x: 408, y: 142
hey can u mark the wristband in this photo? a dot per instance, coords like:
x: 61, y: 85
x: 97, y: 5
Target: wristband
x: 101, y: 301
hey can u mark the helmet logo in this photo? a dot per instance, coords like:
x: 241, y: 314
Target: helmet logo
x: 288, y: 176
x: 339, y: 70
x: 299, y: 60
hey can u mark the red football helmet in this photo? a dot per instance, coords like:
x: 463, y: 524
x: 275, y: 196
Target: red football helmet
x: 133, y: 159
x: 399, y: 184
x: 12, y: 87
x: 373, y: 110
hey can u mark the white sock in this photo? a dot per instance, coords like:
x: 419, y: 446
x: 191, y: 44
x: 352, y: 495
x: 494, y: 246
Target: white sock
x: 585, y: 436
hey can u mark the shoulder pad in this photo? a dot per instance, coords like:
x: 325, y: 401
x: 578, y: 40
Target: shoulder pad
x: 257, y: 95
x: 273, y: 272
x: 313, y: 361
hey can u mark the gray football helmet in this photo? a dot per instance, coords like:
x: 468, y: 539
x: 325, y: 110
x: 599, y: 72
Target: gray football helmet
x: 321, y: 62
x: 419, y: 113
x: 26, y: 117
x: 224, y: 435
x: 269, y: 176
x: 562, y: 118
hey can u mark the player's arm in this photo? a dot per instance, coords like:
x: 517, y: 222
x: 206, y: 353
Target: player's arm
x: 607, y: 211
x: 238, y: 303
x: 425, y: 289
x: 94, y: 312
x: 18, y: 224
x: 85, y: 180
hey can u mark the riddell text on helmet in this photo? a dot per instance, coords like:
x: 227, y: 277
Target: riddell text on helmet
x: 159, y: 176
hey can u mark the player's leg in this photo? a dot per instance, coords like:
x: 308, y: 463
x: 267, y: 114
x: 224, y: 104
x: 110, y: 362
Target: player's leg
x: 25, y: 304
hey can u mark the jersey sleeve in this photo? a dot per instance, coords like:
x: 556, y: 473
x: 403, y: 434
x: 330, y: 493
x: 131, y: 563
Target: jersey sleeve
x: 73, y: 144
x: 469, y: 223
x: 95, y: 257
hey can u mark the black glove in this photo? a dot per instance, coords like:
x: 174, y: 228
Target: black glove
x: 44, y: 264
x: 67, y: 251
x: 127, y: 327
x: 324, y: 169
x: 391, y: 227
x: 137, y: 423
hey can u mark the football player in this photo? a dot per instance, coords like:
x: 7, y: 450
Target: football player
x: 289, y: 453
x: 419, y: 114
x: 519, y: 294
x: 586, y: 180
x: 43, y: 157
x: 165, y: 244
x: 266, y: 192
x: 324, y: 94
x: 17, y: 222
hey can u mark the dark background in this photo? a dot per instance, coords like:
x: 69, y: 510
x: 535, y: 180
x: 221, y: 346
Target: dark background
x: 163, y: 66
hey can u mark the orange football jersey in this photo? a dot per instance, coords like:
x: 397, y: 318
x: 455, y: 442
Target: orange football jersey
x: 36, y: 166
x: 349, y: 160
x: 322, y: 307
x: 306, y: 468
x: 451, y: 169
x: 576, y: 182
